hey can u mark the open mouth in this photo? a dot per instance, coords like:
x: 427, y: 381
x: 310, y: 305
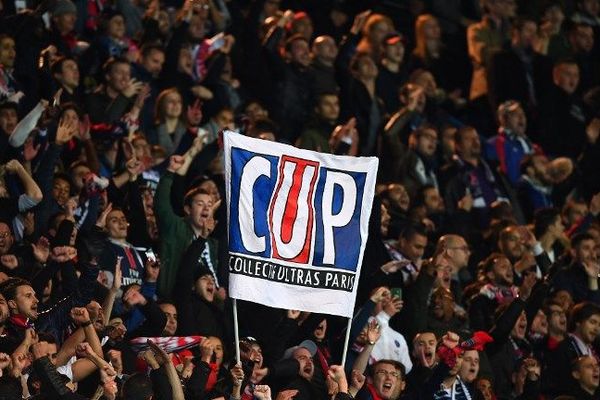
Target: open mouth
x: 429, y: 357
x: 387, y: 386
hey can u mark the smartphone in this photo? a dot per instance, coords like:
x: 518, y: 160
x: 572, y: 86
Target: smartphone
x: 396, y: 292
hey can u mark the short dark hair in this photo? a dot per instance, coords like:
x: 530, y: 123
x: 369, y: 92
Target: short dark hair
x: 150, y: 47
x: 9, y: 105
x: 57, y: 65
x: 458, y: 137
x: 137, y: 387
x: 411, y: 230
x: 420, y: 197
x: 581, y: 312
x: 543, y: 218
x: 9, y: 287
x: 111, y: 62
x: 580, y: 237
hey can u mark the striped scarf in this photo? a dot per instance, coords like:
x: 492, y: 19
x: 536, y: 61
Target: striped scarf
x: 458, y: 391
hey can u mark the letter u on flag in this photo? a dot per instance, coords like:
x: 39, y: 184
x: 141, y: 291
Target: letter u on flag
x: 298, y: 224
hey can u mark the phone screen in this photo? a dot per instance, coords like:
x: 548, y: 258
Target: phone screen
x: 396, y: 292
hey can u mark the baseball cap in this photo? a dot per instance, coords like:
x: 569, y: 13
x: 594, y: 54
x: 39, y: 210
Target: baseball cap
x: 307, y: 344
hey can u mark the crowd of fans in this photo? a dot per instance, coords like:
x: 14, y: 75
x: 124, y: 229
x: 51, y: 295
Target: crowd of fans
x: 480, y: 278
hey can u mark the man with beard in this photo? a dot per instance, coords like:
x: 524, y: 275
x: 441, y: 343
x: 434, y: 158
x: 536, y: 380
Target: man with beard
x: 303, y: 382
x: 417, y: 166
x: 396, y: 199
x: 580, y: 278
x: 387, y: 382
x: 522, y: 249
x: 444, y: 314
x: 498, y: 290
x: 584, y: 327
x: 535, y: 185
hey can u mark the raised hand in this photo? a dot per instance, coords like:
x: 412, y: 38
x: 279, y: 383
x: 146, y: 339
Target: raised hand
x: 85, y: 350
x: 394, y: 266
x: 10, y: 261
x: 13, y: 166
x: 380, y: 294
x: 80, y: 315
x: 41, y: 250
x: 237, y: 374
x: 66, y: 130
x: 336, y: 372
x: 175, y: 162
x: 359, y: 22
x: 207, y: 348
x: 101, y: 221
x: 466, y: 203
x: 63, y: 254
x: 161, y: 356
x: 393, y: 306
x: 114, y: 357
x: 19, y: 362
x: 118, y: 277
x: 133, y: 297
x: 30, y: 150
x: 4, y: 361
x: 141, y: 97
x: 373, y: 331
x: 133, y: 88
x: 262, y: 392
x: 357, y: 380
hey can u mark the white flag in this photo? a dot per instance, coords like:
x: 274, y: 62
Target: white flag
x: 298, y: 224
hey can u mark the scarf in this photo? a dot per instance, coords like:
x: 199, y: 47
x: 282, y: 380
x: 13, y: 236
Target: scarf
x: 458, y: 391
x: 20, y: 321
x: 212, y: 377
x: 500, y: 294
x: 169, y: 344
x: 373, y: 392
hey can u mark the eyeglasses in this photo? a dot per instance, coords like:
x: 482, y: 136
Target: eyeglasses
x: 383, y: 372
x: 4, y: 235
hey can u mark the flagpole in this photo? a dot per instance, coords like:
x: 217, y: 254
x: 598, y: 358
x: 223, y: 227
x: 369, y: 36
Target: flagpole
x: 346, y: 343
x: 236, y: 332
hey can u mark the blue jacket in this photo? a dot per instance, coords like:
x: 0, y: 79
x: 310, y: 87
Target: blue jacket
x: 507, y: 149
